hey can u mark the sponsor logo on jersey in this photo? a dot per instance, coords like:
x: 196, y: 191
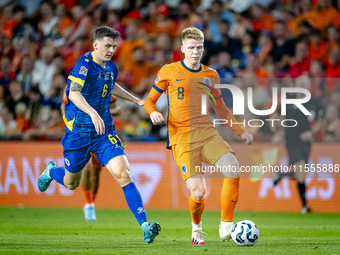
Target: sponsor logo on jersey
x: 180, y: 79
x: 184, y: 169
x: 107, y: 76
x: 83, y: 70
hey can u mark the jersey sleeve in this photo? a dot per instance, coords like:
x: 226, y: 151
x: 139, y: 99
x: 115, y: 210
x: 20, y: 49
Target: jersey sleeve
x: 80, y: 71
x: 64, y: 95
x: 113, y: 99
x: 161, y: 82
x: 216, y: 80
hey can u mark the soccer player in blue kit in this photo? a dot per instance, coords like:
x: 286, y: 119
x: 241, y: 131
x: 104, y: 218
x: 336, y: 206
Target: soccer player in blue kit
x: 89, y: 127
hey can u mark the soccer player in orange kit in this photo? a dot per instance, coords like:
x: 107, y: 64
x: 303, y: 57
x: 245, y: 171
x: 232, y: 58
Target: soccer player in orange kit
x: 192, y: 136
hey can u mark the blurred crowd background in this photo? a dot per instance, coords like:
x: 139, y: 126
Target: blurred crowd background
x: 251, y: 43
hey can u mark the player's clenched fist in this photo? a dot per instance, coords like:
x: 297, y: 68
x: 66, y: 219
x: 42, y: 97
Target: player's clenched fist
x: 248, y: 138
x: 98, y: 123
x: 156, y: 118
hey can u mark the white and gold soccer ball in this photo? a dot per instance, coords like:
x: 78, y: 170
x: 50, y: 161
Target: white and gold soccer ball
x: 245, y: 233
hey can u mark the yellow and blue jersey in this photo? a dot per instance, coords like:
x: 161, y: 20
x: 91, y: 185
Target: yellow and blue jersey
x: 97, y: 82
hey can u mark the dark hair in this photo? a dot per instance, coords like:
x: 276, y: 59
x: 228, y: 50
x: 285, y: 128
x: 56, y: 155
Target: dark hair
x: 48, y: 3
x: 105, y: 31
x: 225, y: 21
x: 187, y: 2
x: 19, y: 8
x: 315, y: 32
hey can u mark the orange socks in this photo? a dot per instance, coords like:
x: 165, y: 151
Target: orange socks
x: 94, y: 197
x: 88, y: 196
x: 229, y: 197
x: 196, y: 209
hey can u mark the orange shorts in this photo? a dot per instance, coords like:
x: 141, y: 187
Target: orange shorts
x: 189, y: 155
x: 95, y: 161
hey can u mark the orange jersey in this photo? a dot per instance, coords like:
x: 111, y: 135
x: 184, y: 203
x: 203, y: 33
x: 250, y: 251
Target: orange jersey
x: 184, y: 89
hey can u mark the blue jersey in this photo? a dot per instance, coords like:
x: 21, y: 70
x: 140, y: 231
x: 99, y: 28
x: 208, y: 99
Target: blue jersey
x: 97, y: 82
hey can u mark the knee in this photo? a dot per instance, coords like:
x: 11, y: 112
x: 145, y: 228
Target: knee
x: 199, y: 193
x: 123, y: 177
x: 71, y: 185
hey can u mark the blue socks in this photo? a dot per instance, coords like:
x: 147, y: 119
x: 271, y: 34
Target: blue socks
x: 135, y: 202
x: 58, y: 174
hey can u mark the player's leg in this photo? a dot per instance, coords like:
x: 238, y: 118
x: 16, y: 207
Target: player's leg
x: 94, y: 176
x: 300, y: 179
x: 218, y: 153
x: 198, y: 190
x: 187, y: 156
x: 86, y: 185
x: 111, y: 154
x: 229, y: 194
x: 90, y: 183
x: 76, y: 154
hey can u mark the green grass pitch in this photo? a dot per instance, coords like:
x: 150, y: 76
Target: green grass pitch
x: 64, y: 231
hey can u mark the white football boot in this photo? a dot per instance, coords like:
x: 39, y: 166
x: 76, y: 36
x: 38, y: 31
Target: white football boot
x: 225, y: 230
x: 197, y: 234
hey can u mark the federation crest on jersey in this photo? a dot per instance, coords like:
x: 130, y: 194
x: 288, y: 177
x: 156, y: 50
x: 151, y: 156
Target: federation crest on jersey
x: 207, y: 81
x: 107, y: 76
x: 67, y: 162
x: 83, y: 70
x: 157, y: 79
x: 184, y: 169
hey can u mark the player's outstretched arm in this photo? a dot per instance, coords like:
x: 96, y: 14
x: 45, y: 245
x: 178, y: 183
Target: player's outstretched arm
x: 76, y: 97
x: 122, y: 93
x: 149, y: 106
x: 223, y: 112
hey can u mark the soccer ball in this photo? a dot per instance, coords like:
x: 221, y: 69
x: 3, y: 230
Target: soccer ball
x: 245, y: 233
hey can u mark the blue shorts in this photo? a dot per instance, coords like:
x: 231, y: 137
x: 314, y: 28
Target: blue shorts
x: 77, y: 149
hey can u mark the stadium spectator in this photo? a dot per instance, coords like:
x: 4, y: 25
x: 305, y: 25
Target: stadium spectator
x: 330, y: 15
x: 64, y: 21
x: 331, y: 124
x: 283, y: 48
x: 333, y: 69
x: 35, y: 110
x: 310, y: 15
x: 53, y: 130
x: 301, y: 62
x: 318, y: 50
x: 6, y: 49
x: 113, y: 21
x: 241, y: 25
x: 188, y: 18
x: 264, y: 47
x: 227, y: 43
x: 44, y: 70
x: 247, y: 46
x: 333, y: 36
x: 8, y: 126
x: 22, y: 122
x: 16, y: 96
x: 48, y: 25
x: 132, y: 41
x: 6, y: 75
x: 140, y: 71
x: 25, y: 76
x: 161, y: 23
x: 2, y: 97
x: 260, y: 20
x: 81, y: 25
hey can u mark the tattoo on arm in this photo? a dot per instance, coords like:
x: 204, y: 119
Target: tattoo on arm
x: 76, y: 87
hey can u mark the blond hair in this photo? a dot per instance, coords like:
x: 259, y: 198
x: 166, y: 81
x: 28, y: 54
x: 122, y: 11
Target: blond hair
x: 192, y: 33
